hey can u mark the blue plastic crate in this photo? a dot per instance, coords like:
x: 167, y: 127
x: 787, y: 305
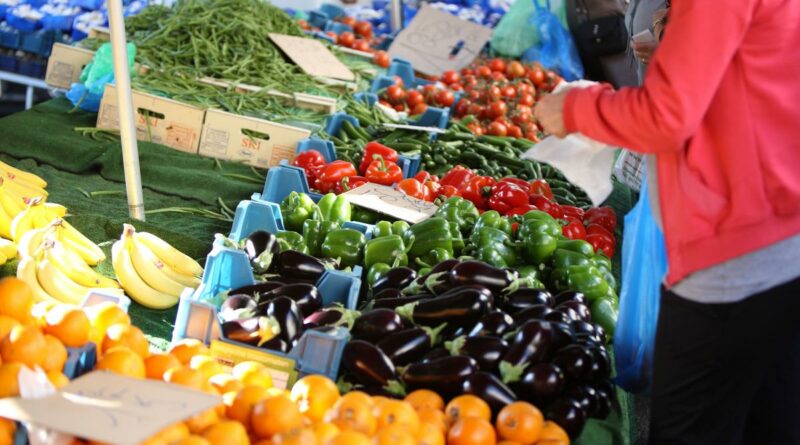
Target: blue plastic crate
x: 368, y: 98
x: 8, y: 63
x: 80, y: 360
x: 336, y: 27
x: 58, y: 22
x: 333, y: 124
x: 381, y: 82
x: 323, y: 146
x: 20, y: 23
x: 31, y: 68
x: 332, y: 11
x: 90, y: 5
x: 38, y: 42
x: 434, y: 117
x: 318, y: 19
x: 403, y: 69
x: 9, y: 37
x: 320, y: 352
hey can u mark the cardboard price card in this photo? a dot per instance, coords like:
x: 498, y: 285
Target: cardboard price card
x: 435, y: 42
x: 312, y: 57
x: 389, y: 201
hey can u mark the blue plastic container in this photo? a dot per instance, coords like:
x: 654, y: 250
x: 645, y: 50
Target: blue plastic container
x: 325, y: 147
x: 90, y: 5
x: 9, y: 37
x: 38, y: 42
x: 256, y: 215
x: 368, y: 98
x: 31, y: 68
x: 80, y: 360
x: 8, y: 63
x: 318, y: 19
x: 380, y: 82
x: 434, y: 117
x: 58, y: 22
x: 320, y: 352
x: 332, y: 11
x: 336, y: 27
x: 21, y: 23
x: 334, y: 123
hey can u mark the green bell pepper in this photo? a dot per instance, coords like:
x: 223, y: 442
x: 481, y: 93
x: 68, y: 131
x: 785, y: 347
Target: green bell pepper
x: 381, y: 229
x: 400, y: 227
x: 376, y: 272
x: 314, y: 232
x: 295, y: 209
x: 346, y: 245
x: 493, y: 246
x: 388, y: 249
x: 604, y: 312
x: 363, y: 215
x: 458, y: 241
x: 604, y: 265
x: 538, y: 237
x: 433, y: 258
x: 588, y: 280
x: 288, y: 240
x: 335, y: 208
x: 563, y: 259
x: 529, y: 271
x: 578, y: 245
x: 493, y: 219
x: 428, y: 235
x: 460, y: 211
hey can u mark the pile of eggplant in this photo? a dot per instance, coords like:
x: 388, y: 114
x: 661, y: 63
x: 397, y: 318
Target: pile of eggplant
x: 469, y: 327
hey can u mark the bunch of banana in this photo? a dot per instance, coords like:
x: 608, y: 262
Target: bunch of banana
x: 8, y: 250
x: 61, y: 231
x: 38, y: 214
x: 152, y: 272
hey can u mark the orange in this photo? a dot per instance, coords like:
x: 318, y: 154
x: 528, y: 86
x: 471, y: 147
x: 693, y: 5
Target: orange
x: 122, y: 360
x: 56, y: 354
x: 252, y: 373
x: 170, y: 434
x: 7, y: 426
x: 105, y: 314
x: 241, y: 408
x: 199, y: 422
x: 6, y: 324
x: 25, y: 344
x: 68, y: 324
x: 121, y: 334
x: 58, y: 379
x: 275, y: 415
x: 206, y: 364
x: 295, y: 437
x: 508, y: 442
x: 315, y: 394
x: 187, y: 348
x: 553, y: 434
x: 158, y: 364
x: 430, y: 434
x: 186, y: 376
x: 520, y: 422
x: 225, y: 383
x: 395, y: 435
x: 16, y: 299
x: 354, y: 412
x: 433, y: 417
x: 325, y: 432
x: 467, y: 405
x: 425, y: 398
x: 471, y: 431
x: 193, y: 440
x: 9, y: 385
x: 227, y: 432
x: 351, y: 438
x: 396, y: 412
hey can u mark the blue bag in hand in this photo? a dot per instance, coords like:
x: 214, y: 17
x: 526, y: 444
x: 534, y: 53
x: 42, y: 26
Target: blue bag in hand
x: 556, y: 50
x: 644, y: 265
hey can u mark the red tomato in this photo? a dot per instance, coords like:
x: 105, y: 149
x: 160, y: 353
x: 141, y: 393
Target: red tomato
x: 498, y: 76
x: 419, y: 108
x: 514, y: 70
x: 497, y: 129
x: 475, y: 95
x: 510, y: 92
x: 484, y: 71
x: 524, y: 108
x: 514, y: 131
x: 361, y: 45
x: 364, y: 29
x: 521, y: 117
x: 456, y: 87
x: 537, y: 76
x: 398, y: 81
x: 332, y: 35
x: 381, y: 58
x: 469, y: 81
x: 304, y: 24
x: 445, y: 98
x: 497, y: 65
x: 450, y: 77
x: 400, y: 107
x: 494, y: 93
x: 462, y: 107
x: 414, y: 97
x: 349, y: 21
x: 467, y: 72
x: 475, y: 128
x: 475, y: 109
x: 385, y: 103
x: 395, y: 94
x: 346, y: 39
x: 497, y: 109
x: 526, y: 99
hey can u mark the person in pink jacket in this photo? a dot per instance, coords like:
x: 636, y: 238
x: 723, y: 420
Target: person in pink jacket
x: 720, y: 110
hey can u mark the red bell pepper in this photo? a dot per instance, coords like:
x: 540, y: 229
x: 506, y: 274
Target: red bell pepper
x: 349, y: 183
x: 604, y: 216
x: 376, y: 148
x: 447, y: 190
x: 597, y: 228
x: 334, y: 173
x: 521, y: 210
x: 506, y: 196
x: 541, y: 187
x: 383, y: 172
x: 602, y: 243
x: 524, y: 185
x: 573, y: 212
x: 547, y: 206
x: 308, y: 159
x: 478, y: 190
x: 574, y: 230
x: 425, y: 177
x: 457, y: 176
x: 413, y: 188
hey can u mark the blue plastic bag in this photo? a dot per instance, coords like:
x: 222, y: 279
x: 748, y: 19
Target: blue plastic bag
x: 644, y: 264
x: 555, y: 50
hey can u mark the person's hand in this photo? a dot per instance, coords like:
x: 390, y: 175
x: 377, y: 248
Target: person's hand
x: 549, y: 112
x: 644, y: 50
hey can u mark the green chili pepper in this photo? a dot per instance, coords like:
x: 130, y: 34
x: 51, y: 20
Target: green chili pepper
x: 335, y: 208
x: 288, y: 240
x: 493, y: 219
x: 493, y: 246
x: 376, y: 272
x: 433, y: 233
x: 460, y: 211
x: 314, y: 232
x: 538, y: 237
x: 295, y: 209
x: 589, y: 280
x: 388, y: 249
x: 344, y: 244
x: 578, y: 245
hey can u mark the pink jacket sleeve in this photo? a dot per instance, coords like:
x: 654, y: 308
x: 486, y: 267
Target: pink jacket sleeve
x: 699, y: 44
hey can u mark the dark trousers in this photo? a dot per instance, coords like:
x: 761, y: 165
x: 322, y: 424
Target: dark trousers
x: 728, y: 373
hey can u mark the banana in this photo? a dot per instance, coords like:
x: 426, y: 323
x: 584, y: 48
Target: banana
x: 30, y: 242
x: 23, y: 223
x: 21, y: 175
x: 23, y: 190
x: 54, y: 211
x: 57, y: 284
x: 75, y: 267
x: 8, y: 248
x: 151, y: 270
x: 183, y: 280
x: 10, y: 202
x: 169, y: 255
x: 5, y: 224
x: 26, y: 271
x: 133, y: 284
x: 3, y: 259
x: 79, y: 243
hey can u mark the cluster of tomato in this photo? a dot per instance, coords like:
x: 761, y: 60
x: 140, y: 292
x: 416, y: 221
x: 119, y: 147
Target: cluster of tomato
x: 416, y: 101
x: 360, y: 39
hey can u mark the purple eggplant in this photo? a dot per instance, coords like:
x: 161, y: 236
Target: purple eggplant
x: 491, y: 390
x: 306, y: 296
x: 332, y: 316
x: 487, y: 351
x: 242, y: 330
x: 435, y: 353
x: 499, y: 281
x: 276, y: 344
x: 444, y: 375
x: 576, y: 310
x: 396, y: 278
x: 558, y: 316
x: 437, y: 281
x: 562, y: 336
x: 537, y: 312
x: 576, y: 362
x: 603, y: 405
x: 463, y: 308
x: 586, y: 396
x: 540, y: 384
x: 524, y: 298
x: 496, y: 323
x: 254, y: 290
x: 532, y: 344
x: 392, y: 303
x: 368, y: 364
x: 374, y: 325
x: 476, y: 287
x: 237, y: 306
x: 601, y: 364
x: 261, y: 248
x: 567, y: 413
x: 570, y: 295
x: 287, y: 313
x: 387, y: 293
x: 294, y: 264
x: 408, y: 346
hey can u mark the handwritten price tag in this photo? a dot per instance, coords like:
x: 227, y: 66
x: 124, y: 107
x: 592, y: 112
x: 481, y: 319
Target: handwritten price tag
x: 389, y: 201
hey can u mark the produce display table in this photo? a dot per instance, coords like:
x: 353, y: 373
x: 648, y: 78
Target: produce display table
x: 76, y: 165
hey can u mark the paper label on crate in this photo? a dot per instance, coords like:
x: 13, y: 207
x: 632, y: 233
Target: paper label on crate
x: 280, y: 368
x: 65, y: 65
x: 436, y: 41
x: 110, y: 408
x: 312, y: 56
x: 386, y: 200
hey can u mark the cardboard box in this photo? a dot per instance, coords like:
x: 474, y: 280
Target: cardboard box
x: 65, y: 65
x: 320, y: 104
x: 257, y: 142
x: 160, y: 120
